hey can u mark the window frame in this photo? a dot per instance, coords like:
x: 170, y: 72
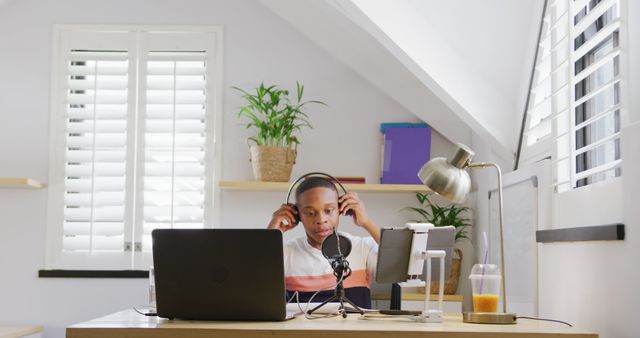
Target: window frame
x: 592, y: 198
x: 126, y: 260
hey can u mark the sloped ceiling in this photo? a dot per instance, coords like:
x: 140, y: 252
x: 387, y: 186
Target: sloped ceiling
x: 459, y: 65
x: 462, y: 66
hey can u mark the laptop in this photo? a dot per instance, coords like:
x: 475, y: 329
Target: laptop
x: 219, y: 274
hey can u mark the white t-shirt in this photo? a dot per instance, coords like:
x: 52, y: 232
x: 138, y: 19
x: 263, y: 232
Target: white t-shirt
x: 307, y: 270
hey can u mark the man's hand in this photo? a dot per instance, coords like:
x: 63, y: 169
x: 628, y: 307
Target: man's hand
x: 284, y: 218
x: 350, y: 204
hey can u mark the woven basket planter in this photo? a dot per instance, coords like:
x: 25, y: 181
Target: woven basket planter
x: 272, y: 164
x: 451, y: 283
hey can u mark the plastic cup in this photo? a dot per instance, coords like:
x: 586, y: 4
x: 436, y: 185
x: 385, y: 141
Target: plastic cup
x: 485, y: 287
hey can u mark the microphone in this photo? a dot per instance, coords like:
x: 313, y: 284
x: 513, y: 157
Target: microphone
x: 336, y: 248
x: 336, y: 245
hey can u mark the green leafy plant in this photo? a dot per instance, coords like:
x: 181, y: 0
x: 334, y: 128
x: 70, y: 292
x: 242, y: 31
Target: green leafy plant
x: 430, y: 212
x: 274, y: 116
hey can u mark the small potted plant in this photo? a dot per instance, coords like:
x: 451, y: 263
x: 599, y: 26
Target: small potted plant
x: 453, y: 215
x: 276, y: 120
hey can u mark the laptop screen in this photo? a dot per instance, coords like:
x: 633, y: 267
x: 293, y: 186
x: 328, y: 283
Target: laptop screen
x: 219, y: 274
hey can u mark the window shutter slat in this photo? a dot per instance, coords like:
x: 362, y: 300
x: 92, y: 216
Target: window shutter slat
x: 105, y: 69
x: 105, y: 198
x: 89, y: 126
x: 101, y: 112
x: 184, y: 111
x: 106, y: 140
x: 185, y: 82
x: 98, y: 97
x: 180, y: 126
x: 608, y: 170
x: 113, y: 82
x: 82, y: 229
x: 101, y: 184
x: 166, y: 68
x: 98, y: 156
x: 104, y: 55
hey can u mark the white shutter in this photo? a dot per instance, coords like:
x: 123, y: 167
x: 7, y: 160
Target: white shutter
x: 595, y: 118
x: 174, y: 142
x: 131, y: 142
x: 549, y: 96
x: 96, y: 151
x: 574, y: 110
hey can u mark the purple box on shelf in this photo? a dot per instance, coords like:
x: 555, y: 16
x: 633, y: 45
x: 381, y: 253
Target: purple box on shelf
x: 406, y: 148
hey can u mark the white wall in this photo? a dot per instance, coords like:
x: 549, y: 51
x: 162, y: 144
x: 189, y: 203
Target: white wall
x: 258, y: 46
x: 594, y: 285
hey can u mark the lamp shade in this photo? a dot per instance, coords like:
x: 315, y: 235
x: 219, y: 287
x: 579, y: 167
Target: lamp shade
x: 448, y: 177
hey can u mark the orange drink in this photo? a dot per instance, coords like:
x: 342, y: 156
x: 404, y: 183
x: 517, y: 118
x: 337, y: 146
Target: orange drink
x: 485, y: 303
x: 485, y: 287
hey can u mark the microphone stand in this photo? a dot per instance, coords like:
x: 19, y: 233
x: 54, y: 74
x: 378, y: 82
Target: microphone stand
x: 341, y: 270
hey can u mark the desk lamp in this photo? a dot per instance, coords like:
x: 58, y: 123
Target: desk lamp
x: 449, y: 178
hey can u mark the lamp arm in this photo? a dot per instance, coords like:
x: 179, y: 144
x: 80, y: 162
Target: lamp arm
x: 485, y: 165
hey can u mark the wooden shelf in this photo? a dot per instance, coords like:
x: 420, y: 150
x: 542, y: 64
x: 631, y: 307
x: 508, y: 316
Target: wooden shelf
x: 20, y: 183
x: 417, y: 296
x: 284, y: 186
x: 19, y: 331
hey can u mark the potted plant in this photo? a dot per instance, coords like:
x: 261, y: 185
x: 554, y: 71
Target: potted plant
x: 453, y: 215
x: 276, y: 120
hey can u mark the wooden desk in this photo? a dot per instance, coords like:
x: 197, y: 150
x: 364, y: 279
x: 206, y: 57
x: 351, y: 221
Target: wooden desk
x: 130, y: 324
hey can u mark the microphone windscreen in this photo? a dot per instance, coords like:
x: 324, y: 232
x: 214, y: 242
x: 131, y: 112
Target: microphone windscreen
x: 330, y: 246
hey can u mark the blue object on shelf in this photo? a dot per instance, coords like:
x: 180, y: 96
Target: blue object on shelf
x: 407, y: 146
x: 384, y: 126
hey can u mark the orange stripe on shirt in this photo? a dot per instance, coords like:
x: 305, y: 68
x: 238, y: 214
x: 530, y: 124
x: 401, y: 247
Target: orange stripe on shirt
x: 327, y: 281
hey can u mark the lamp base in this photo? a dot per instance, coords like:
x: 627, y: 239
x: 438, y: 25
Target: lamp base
x: 488, y: 318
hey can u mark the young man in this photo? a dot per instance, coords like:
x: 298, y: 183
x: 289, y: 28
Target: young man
x: 306, y: 270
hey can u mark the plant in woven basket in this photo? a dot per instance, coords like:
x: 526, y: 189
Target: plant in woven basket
x: 276, y: 119
x: 274, y: 116
x: 453, y: 215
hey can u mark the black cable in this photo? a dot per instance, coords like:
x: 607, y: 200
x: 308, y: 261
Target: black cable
x: 548, y: 320
x: 148, y: 314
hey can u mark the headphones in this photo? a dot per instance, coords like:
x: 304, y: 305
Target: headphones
x: 334, y: 181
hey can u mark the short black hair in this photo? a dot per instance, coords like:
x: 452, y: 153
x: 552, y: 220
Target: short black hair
x: 314, y: 182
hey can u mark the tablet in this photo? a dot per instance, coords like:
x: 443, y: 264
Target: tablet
x: 395, y: 249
